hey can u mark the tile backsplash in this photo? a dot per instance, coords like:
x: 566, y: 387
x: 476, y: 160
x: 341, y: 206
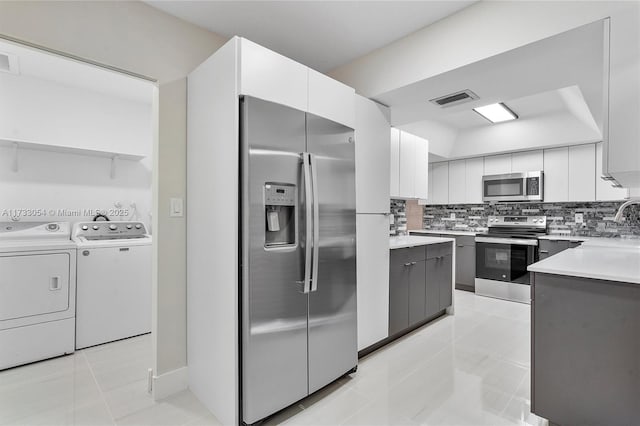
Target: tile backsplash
x: 597, y: 217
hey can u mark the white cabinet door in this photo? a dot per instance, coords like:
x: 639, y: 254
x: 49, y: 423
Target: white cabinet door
x: 497, y: 164
x: 270, y: 76
x: 372, y: 263
x: 331, y: 99
x: 604, y: 190
x: 582, y: 173
x: 372, y: 156
x: 528, y: 161
x: 422, y: 168
x: 407, y: 165
x: 474, y: 168
x: 440, y: 177
x: 457, y: 182
x: 394, y: 163
x: 556, y: 176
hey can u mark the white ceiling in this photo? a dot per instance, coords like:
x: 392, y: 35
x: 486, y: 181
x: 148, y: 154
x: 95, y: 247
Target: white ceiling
x: 319, y: 34
x: 68, y: 72
x: 558, y: 77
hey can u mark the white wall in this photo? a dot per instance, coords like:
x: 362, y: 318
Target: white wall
x: 138, y: 38
x: 66, y: 183
x: 37, y: 110
x: 473, y: 34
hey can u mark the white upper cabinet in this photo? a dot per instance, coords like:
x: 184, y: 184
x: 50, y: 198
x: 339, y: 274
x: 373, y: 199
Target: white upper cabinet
x: 582, y: 173
x: 527, y: 161
x: 270, y: 76
x: 497, y: 164
x: 409, y: 171
x: 556, y: 176
x: 457, y: 182
x: 331, y: 99
x: 372, y: 156
x: 440, y: 187
x: 604, y: 189
x: 407, y: 165
x: 474, y: 169
x: 394, y: 160
x: 421, y: 168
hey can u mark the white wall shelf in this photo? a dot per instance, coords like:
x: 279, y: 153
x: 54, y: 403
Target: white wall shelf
x: 17, y: 145
x: 39, y: 146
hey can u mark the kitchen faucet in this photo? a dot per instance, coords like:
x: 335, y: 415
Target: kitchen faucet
x: 618, y: 216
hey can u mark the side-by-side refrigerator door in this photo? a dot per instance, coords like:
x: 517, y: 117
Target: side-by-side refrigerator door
x: 274, y: 308
x: 332, y: 301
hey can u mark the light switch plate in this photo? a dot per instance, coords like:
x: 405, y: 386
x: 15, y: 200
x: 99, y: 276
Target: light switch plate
x: 452, y: 216
x: 579, y: 218
x: 177, y: 207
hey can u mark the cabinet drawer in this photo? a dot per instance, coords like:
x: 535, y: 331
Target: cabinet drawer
x: 409, y: 254
x: 437, y: 250
x: 465, y: 240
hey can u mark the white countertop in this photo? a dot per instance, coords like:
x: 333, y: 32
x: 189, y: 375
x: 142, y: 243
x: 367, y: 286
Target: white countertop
x: 443, y: 231
x: 415, y: 240
x: 595, y: 241
x: 619, y: 262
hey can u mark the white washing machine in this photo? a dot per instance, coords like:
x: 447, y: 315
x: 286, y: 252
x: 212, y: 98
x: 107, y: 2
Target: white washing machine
x: 113, y: 281
x: 37, y: 292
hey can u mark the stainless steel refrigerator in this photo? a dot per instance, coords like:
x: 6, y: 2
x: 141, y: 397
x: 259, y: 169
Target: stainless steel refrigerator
x: 298, y: 255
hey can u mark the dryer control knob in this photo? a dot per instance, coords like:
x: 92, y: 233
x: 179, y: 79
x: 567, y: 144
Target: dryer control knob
x: 129, y: 226
x: 113, y: 227
x: 138, y: 226
x: 95, y: 227
x: 85, y: 227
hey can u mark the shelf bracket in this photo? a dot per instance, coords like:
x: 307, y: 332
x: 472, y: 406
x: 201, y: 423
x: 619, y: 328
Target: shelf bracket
x: 14, y: 164
x: 113, y: 166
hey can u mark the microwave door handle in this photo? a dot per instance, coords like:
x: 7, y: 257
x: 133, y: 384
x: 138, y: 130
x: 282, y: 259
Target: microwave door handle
x: 316, y: 222
x: 308, y: 225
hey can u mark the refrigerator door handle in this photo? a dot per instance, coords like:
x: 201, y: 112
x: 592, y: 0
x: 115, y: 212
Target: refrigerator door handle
x: 306, y: 161
x: 316, y: 222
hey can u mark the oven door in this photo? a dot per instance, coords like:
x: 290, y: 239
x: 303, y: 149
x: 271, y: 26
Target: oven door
x: 505, y: 259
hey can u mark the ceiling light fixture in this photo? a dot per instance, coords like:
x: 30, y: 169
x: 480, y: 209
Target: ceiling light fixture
x: 496, y: 113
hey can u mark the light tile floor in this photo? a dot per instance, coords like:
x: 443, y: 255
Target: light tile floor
x: 468, y: 369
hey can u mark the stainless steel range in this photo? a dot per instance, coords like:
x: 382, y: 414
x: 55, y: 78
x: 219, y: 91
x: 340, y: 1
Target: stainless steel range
x: 503, y: 255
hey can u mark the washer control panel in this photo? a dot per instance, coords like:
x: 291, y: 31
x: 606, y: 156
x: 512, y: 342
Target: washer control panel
x: 109, y: 230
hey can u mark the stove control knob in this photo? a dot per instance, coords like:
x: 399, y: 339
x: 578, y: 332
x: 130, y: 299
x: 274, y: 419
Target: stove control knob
x: 85, y: 227
x: 129, y: 226
x: 138, y: 226
x: 113, y: 227
x: 95, y: 227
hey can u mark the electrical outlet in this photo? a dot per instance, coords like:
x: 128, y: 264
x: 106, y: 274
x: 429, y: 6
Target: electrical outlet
x: 452, y: 216
x: 579, y: 218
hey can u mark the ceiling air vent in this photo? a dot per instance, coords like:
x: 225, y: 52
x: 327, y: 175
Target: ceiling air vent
x: 8, y: 63
x: 454, y: 98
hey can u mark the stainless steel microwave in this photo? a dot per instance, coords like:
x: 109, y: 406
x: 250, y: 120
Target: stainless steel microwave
x: 527, y: 186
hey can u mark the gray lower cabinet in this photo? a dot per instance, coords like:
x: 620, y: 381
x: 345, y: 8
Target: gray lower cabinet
x: 548, y: 248
x: 465, y: 263
x: 398, y: 291
x: 417, y: 292
x: 585, y: 350
x: 465, y: 259
x: 419, y: 284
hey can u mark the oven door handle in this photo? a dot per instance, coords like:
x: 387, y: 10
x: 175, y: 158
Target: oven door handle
x: 509, y: 241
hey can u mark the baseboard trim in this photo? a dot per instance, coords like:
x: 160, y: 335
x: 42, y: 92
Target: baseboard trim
x: 170, y: 382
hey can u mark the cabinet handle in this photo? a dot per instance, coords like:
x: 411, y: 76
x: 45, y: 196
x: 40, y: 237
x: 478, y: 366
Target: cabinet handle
x: 407, y: 264
x: 413, y: 263
x: 544, y: 251
x: 460, y: 245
